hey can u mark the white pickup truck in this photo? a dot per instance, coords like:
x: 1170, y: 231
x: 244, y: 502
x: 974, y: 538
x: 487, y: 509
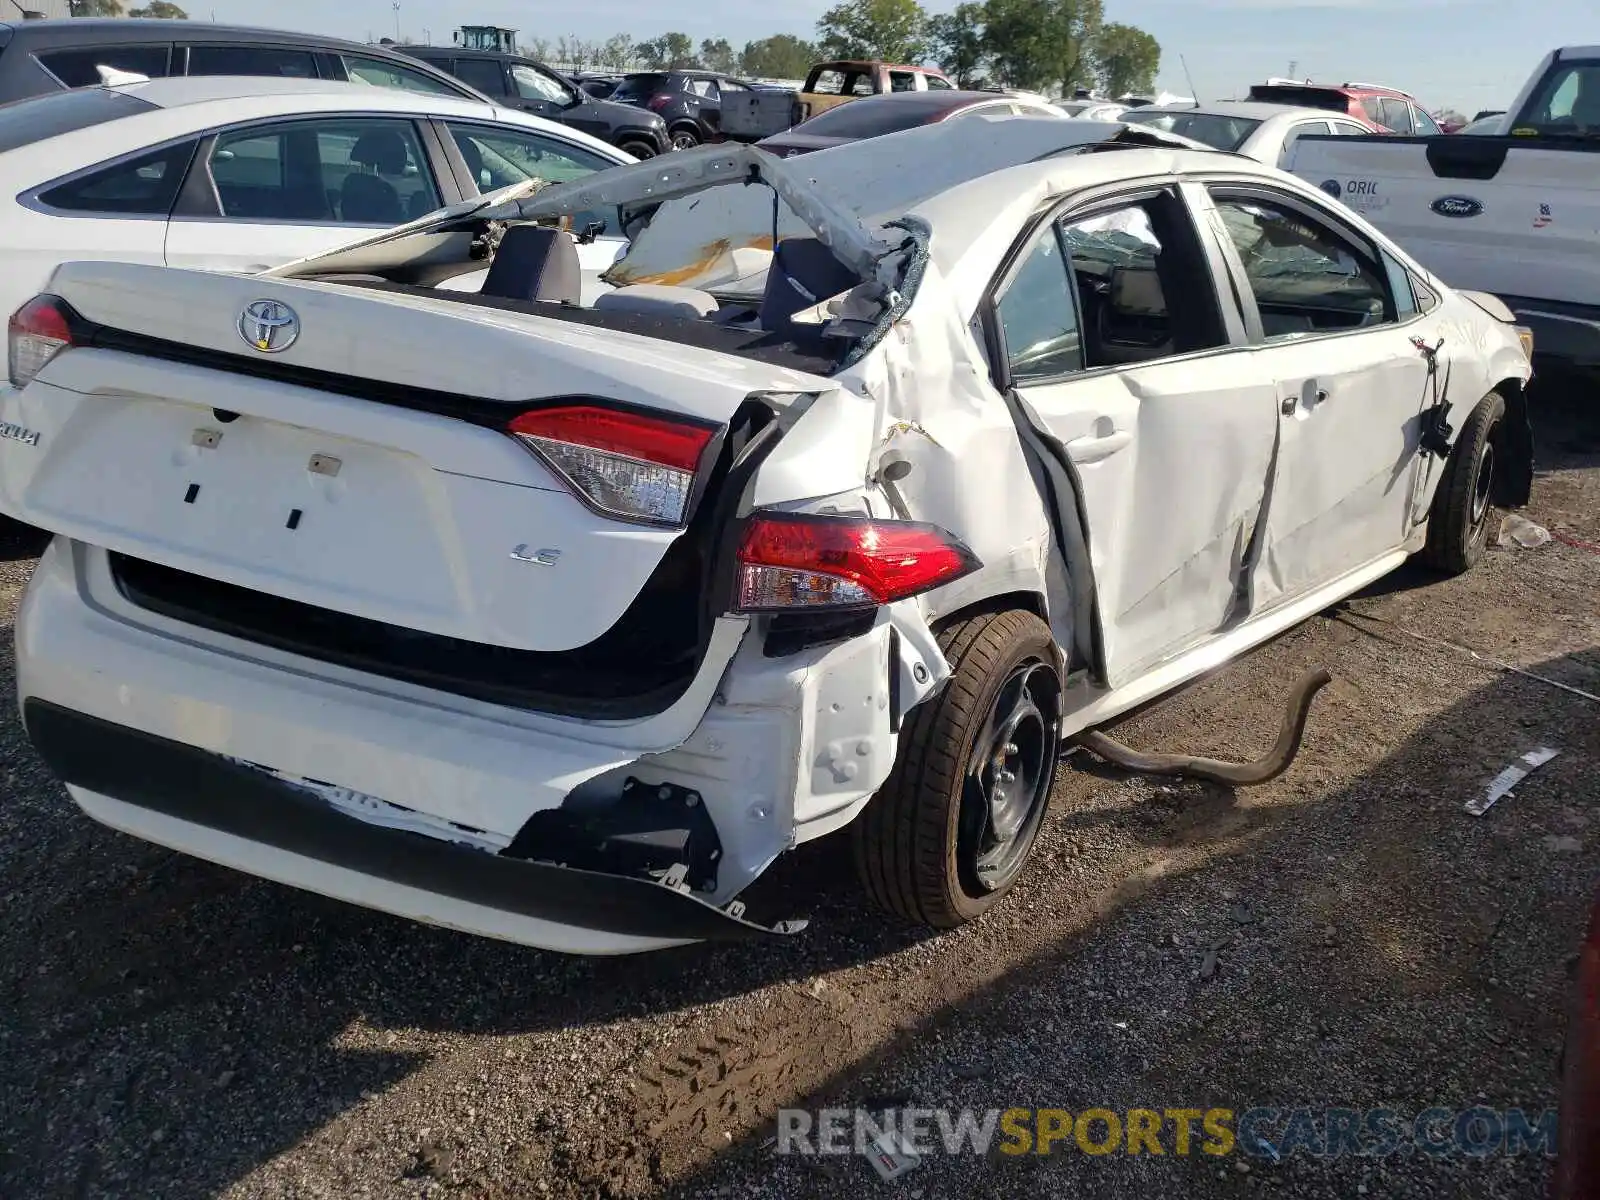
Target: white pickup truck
x: 1515, y: 212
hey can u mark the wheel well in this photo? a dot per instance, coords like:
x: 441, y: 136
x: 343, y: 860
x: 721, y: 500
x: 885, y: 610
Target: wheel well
x: 1031, y: 602
x: 1513, y: 482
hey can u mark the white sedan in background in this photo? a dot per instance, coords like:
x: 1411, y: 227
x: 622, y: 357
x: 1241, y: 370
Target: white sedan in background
x: 1264, y: 132
x: 240, y: 174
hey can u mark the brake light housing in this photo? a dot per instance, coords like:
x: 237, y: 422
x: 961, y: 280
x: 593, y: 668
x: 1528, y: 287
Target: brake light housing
x: 658, y: 102
x: 641, y: 467
x: 36, y: 333
x: 793, y: 562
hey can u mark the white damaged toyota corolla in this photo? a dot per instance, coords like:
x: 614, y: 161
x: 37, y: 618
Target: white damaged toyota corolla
x: 403, y: 576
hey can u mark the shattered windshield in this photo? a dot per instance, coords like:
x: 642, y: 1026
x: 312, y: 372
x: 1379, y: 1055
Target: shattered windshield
x: 1215, y: 130
x: 1567, y: 103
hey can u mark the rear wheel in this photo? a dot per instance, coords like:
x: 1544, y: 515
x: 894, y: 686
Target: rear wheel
x: 685, y: 137
x: 1458, y: 524
x: 639, y: 149
x: 949, y: 832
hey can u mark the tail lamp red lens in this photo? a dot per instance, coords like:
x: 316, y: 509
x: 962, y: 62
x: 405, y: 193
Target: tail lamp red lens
x: 659, y: 101
x: 793, y: 562
x: 632, y: 466
x: 36, y: 333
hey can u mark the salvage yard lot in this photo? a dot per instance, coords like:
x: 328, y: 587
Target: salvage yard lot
x: 1344, y: 937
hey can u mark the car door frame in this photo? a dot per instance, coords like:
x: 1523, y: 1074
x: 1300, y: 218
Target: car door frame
x: 198, y: 199
x: 1408, y: 325
x: 1058, y: 476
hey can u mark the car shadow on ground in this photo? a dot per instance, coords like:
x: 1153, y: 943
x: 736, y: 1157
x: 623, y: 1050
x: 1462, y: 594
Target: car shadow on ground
x: 1374, y: 947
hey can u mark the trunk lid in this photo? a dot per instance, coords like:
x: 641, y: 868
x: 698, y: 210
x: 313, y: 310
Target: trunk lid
x: 364, y: 470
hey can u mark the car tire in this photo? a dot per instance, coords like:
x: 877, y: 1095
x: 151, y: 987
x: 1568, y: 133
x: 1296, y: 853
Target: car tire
x: 1458, y: 523
x: 638, y: 148
x: 685, y: 137
x: 920, y: 845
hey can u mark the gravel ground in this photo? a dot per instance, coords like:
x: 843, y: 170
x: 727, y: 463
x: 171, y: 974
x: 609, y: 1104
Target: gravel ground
x: 1344, y: 937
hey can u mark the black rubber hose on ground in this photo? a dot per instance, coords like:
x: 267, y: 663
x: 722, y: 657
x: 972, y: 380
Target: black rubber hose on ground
x: 1264, y: 769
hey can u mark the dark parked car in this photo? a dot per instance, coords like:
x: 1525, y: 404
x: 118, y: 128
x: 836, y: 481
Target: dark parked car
x: 599, y: 86
x: 533, y: 87
x: 690, y: 102
x: 37, y: 57
x: 874, y: 116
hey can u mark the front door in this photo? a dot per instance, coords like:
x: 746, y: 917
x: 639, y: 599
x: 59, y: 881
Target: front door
x: 263, y: 195
x: 1336, y: 327
x: 1159, y: 409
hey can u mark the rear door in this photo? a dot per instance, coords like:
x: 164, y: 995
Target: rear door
x: 263, y: 194
x: 1158, y: 406
x: 1335, y: 319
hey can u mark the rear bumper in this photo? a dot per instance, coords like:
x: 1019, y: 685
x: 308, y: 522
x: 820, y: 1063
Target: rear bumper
x: 367, y: 788
x: 201, y: 803
x: 1563, y: 333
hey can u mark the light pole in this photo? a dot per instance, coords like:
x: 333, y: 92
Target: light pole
x: 396, y: 7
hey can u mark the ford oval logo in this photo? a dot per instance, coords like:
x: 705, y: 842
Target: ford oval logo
x: 1457, y: 206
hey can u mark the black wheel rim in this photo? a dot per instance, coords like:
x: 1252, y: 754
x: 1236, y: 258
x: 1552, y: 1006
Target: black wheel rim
x: 684, y: 141
x: 1483, y: 485
x: 1007, y: 786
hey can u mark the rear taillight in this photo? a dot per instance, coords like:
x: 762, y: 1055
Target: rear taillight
x: 657, y: 102
x: 793, y: 562
x: 627, y: 465
x: 37, y: 332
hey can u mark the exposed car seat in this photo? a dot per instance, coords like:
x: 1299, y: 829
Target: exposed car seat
x: 804, y: 273
x: 689, y: 304
x: 371, y: 198
x: 535, y: 262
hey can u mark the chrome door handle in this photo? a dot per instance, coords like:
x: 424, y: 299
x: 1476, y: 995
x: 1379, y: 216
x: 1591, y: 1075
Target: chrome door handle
x: 1086, y: 450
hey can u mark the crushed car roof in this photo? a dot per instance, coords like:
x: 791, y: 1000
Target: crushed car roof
x: 863, y: 184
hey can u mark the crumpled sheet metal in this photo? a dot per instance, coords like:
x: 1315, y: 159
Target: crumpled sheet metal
x: 690, y: 239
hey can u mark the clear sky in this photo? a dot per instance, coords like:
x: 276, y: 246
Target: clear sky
x: 1467, y: 54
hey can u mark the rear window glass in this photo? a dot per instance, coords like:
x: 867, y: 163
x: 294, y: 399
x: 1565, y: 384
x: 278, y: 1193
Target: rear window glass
x: 146, y: 186
x: 868, y: 118
x: 24, y: 122
x: 77, y: 68
x: 636, y: 88
x: 1567, y: 102
x: 1215, y: 130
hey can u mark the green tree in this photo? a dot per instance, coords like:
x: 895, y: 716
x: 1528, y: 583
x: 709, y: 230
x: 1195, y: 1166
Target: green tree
x: 1042, y: 45
x: 669, y: 52
x: 782, y: 56
x: 94, y: 8
x: 1126, y: 60
x: 717, y: 55
x: 161, y: 10
x: 955, y: 41
x: 895, y: 30
x: 617, y: 53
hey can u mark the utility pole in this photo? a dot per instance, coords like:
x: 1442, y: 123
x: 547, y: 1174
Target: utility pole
x: 396, y: 7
